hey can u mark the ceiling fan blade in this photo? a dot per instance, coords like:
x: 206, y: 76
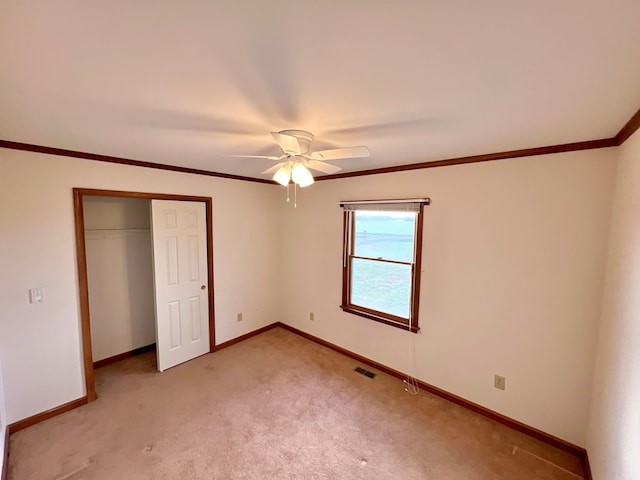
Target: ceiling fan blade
x: 323, y: 166
x: 273, y: 169
x: 269, y: 157
x: 288, y: 143
x: 336, y: 153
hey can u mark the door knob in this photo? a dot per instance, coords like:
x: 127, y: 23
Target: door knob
x: 203, y: 287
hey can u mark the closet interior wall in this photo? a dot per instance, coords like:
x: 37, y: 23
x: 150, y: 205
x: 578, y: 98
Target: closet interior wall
x: 120, y: 274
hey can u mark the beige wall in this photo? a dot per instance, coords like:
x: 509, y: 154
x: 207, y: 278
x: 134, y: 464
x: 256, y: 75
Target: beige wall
x: 40, y: 343
x: 514, y: 256
x: 513, y: 264
x: 614, y: 430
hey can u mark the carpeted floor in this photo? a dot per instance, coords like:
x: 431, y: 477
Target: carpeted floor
x: 276, y: 406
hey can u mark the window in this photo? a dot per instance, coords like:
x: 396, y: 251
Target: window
x: 381, y: 264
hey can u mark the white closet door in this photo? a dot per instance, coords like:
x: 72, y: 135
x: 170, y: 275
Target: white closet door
x: 179, y: 231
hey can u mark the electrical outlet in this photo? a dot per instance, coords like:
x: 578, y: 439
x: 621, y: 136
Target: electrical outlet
x: 312, y: 316
x: 239, y: 317
x: 499, y: 382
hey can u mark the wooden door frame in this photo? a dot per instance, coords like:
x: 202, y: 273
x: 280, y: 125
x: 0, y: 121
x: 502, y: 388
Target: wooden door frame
x: 83, y: 281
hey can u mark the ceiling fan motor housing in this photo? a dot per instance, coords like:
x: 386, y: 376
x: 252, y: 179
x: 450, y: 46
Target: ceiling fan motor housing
x: 304, y: 138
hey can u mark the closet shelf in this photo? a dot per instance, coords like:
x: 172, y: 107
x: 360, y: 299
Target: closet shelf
x: 117, y: 229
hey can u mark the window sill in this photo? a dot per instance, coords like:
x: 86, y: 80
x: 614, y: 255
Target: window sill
x: 379, y: 318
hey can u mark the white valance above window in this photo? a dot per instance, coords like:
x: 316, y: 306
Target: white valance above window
x: 405, y: 205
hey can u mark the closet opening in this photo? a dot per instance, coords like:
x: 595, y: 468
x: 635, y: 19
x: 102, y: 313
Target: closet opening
x: 117, y: 232
x: 127, y: 310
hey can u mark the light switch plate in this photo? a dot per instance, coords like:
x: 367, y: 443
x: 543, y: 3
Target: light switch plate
x: 36, y: 295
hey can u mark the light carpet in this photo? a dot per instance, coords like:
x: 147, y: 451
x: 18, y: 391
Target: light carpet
x: 276, y: 406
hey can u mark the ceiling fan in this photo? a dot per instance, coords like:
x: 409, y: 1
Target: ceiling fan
x: 297, y: 158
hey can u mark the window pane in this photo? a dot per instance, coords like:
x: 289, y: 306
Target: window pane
x: 384, y: 235
x: 381, y: 286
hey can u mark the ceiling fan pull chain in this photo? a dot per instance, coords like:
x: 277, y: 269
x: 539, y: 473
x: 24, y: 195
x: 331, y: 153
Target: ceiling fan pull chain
x: 288, y: 192
x: 295, y: 195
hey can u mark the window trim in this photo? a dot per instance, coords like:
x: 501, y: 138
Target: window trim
x: 348, y: 246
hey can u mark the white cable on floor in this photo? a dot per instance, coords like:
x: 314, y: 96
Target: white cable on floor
x: 411, y: 384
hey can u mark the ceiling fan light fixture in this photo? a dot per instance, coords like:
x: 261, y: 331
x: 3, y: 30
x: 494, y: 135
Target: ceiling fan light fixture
x: 283, y: 175
x: 298, y: 158
x: 301, y: 175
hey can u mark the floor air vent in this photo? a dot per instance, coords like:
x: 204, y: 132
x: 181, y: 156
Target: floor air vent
x: 364, y: 372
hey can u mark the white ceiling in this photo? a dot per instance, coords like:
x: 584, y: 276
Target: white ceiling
x: 190, y: 82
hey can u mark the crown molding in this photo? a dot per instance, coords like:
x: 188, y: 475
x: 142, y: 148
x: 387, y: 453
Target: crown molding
x: 124, y: 161
x: 625, y: 132
x: 629, y: 128
x: 487, y: 157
